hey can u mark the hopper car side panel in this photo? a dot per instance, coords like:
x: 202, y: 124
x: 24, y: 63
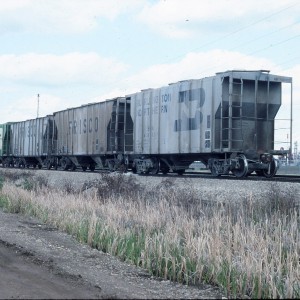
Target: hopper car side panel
x: 83, y: 130
x: 175, y: 119
x: 91, y: 134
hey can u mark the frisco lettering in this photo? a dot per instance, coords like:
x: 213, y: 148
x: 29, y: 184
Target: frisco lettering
x: 83, y: 126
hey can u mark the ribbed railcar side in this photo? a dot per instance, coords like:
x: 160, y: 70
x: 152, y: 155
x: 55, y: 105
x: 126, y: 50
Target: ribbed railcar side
x: 87, y: 134
x: 225, y: 121
x: 174, y: 123
x: 28, y: 142
x: 176, y: 119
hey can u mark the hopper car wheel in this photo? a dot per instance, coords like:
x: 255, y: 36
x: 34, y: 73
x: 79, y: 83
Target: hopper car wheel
x: 242, y: 169
x: 84, y: 168
x: 64, y: 164
x: 180, y: 172
x: 154, y: 170
x: 6, y: 163
x: 214, y: 171
x: 272, y: 169
x: 165, y: 170
x: 111, y: 165
x: 48, y: 166
x: 92, y: 168
x: 21, y: 164
x: 123, y: 168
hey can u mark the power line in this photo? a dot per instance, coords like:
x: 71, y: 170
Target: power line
x: 265, y: 35
x: 274, y: 45
x: 241, y: 29
x: 236, y: 31
x: 288, y: 61
x: 257, y: 51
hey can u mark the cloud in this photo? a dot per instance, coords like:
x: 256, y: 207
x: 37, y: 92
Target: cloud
x: 27, y: 107
x: 12, y: 5
x: 179, y: 19
x: 60, y: 16
x: 50, y: 69
x: 197, y: 65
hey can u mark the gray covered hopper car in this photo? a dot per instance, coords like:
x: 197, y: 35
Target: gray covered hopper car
x: 30, y: 142
x: 91, y: 135
x: 226, y: 121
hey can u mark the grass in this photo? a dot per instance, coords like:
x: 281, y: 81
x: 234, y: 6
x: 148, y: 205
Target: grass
x: 249, y: 249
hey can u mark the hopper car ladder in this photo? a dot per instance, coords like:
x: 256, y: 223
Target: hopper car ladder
x: 120, y: 130
x: 116, y: 127
x: 112, y: 129
x: 128, y: 128
x: 231, y: 124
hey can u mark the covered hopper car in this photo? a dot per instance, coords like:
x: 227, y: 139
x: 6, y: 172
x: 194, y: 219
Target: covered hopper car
x: 92, y: 135
x: 226, y: 121
x: 26, y: 143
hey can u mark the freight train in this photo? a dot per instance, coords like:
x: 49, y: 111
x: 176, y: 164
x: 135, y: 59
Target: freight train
x: 226, y: 121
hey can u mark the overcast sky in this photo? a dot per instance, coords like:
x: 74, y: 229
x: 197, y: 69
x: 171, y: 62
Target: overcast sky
x: 73, y: 52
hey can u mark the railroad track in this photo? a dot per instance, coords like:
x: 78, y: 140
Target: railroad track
x: 208, y: 175
x: 190, y: 174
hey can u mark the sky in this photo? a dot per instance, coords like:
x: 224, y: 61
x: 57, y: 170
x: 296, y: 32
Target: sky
x: 74, y: 52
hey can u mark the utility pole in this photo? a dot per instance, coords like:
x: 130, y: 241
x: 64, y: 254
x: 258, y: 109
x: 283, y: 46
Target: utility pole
x: 38, y: 105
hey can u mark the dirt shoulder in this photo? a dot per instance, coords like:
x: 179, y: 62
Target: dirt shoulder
x: 23, y: 277
x: 37, y: 261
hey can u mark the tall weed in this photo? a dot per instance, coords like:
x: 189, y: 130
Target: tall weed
x: 250, y: 248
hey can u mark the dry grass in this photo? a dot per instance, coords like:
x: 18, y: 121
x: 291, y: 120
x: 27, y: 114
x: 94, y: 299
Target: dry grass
x: 250, y: 249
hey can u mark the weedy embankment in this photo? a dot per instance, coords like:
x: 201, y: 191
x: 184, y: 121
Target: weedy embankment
x: 249, y: 249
